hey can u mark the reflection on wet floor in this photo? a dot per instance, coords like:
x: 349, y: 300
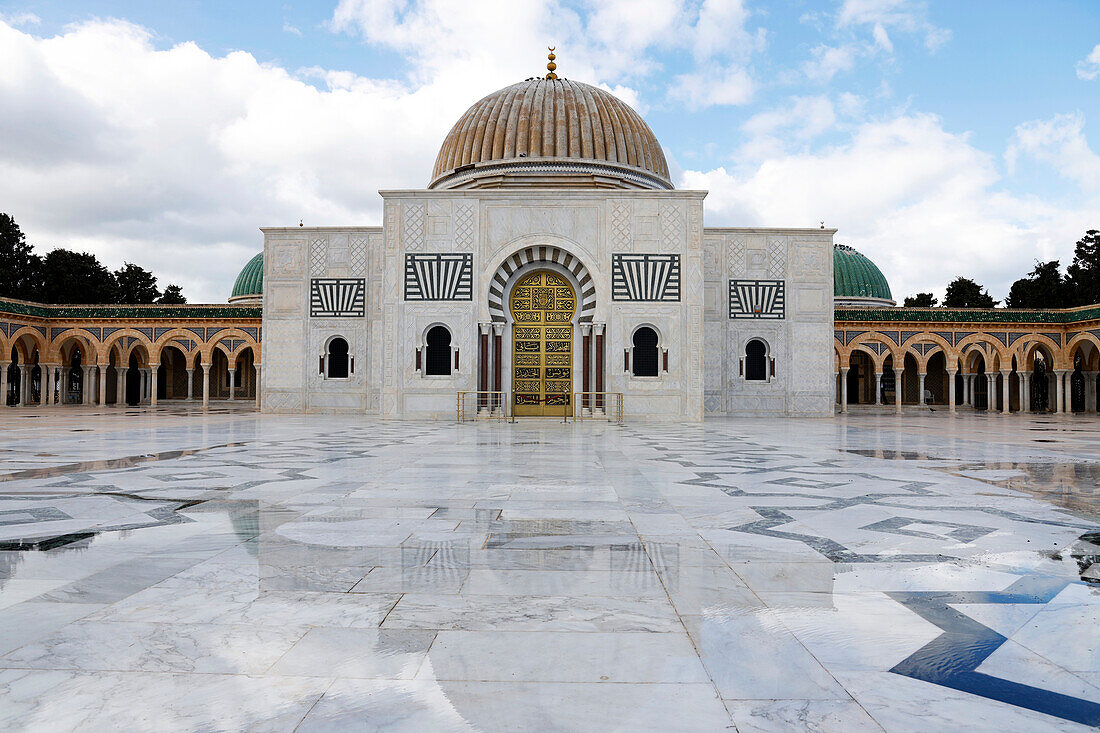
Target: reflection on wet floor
x: 297, y: 573
x: 1075, y: 486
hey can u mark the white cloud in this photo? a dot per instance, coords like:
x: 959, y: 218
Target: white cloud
x: 717, y: 85
x: 907, y: 16
x: 1088, y: 68
x: 288, y: 28
x: 1060, y: 143
x: 828, y: 61
x: 172, y: 158
x: 920, y: 201
x: 792, y: 126
x: 17, y: 20
x: 597, y: 40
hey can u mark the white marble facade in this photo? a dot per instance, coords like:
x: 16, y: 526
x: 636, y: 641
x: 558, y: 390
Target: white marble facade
x: 704, y: 344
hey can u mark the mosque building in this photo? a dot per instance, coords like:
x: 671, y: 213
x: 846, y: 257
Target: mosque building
x: 551, y: 268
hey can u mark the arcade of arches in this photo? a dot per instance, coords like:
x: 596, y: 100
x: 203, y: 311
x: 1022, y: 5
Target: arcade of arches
x: 995, y: 360
x: 128, y: 355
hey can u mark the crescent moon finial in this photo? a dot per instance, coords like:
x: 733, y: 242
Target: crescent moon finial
x: 550, y: 67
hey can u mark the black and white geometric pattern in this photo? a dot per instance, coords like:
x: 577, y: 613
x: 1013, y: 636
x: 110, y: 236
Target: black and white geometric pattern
x: 439, y: 277
x: 758, y: 299
x: 336, y: 298
x: 647, y: 278
x: 531, y: 258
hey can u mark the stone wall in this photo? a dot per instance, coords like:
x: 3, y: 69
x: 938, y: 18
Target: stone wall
x: 748, y: 266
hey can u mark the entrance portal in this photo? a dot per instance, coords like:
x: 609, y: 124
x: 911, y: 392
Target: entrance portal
x: 542, y: 306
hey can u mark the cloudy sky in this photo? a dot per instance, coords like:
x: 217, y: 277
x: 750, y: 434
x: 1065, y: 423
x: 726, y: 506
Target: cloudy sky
x: 940, y: 138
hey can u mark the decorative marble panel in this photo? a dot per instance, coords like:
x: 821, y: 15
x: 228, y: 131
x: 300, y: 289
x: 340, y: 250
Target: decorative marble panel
x: 337, y: 298
x: 757, y: 299
x: 439, y: 276
x: 645, y: 277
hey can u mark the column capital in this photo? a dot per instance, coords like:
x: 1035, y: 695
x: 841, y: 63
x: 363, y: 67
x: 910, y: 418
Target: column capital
x: 498, y: 328
x: 586, y: 329
x: 952, y: 372
x: 484, y: 328
x: 844, y: 369
x: 598, y: 328
x: 899, y: 370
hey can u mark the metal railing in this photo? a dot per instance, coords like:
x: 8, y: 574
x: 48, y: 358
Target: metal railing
x: 598, y: 406
x: 487, y: 406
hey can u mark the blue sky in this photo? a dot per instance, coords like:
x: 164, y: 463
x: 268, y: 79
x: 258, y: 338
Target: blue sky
x: 941, y: 138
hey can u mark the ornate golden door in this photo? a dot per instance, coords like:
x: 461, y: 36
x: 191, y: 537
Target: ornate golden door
x: 542, y: 305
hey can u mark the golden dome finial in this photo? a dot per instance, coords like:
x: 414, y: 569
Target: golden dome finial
x: 551, y: 66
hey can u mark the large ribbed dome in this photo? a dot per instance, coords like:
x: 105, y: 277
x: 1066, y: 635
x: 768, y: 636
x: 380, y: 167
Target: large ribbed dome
x: 550, y: 133
x: 857, y: 281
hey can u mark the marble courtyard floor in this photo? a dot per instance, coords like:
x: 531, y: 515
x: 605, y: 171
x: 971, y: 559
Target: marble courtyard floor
x: 175, y: 570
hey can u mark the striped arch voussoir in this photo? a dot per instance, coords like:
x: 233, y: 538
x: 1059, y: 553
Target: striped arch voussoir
x: 535, y: 255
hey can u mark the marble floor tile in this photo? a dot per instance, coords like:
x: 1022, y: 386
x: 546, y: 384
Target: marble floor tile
x: 359, y: 653
x: 274, y: 572
x: 532, y: 613
x: 515, y: 706
x: 814, y: 716
x: 540, y: 656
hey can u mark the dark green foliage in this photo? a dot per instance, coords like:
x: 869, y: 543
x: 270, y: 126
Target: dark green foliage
x: 19, y: 266
x: 965, y: 293
x: 173, y: 295
x: 1083, y: 275
x: 63, y: 276
x: 75, y: 277
x: 920, y: 300
x: 1043, y: 287
x: 135, y: 285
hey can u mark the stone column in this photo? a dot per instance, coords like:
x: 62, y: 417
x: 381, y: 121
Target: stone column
x: 25, y: 374
x: 872, y: 377
x: 121, y: 376
x: 153, y: 384
x: 232, y: 384
x: 1006, y: 392
x: 1025, y: 392
x: 951, y: 391
x: 206, y: 385
x: 4, y: 382
x: 62, y: 384
x: 899, y: 374
x: 258, y: 386
x: 586, y: 368
x: 598, y: 333
x: 1059, y: 385
x: 498, y: 366
x: 46, y: 385
x: 190, y: 384
x: 844, y: 389
x: 483, y: 364
x: 920, y: 387
x: 102, y: 384
x: 1090, y: 391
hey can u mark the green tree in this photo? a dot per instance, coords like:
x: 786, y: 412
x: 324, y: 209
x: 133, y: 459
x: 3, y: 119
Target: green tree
x: 173, y: 295
x: 920, y: 300
x: 75, y: 277
x: 19, y: 265
x: 1083, y: 275
x: 965, y: 293
x: 135, y: 285
x: 1044, y: 287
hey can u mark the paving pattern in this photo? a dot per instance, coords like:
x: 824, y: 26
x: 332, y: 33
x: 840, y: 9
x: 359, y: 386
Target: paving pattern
x: 171, y: 569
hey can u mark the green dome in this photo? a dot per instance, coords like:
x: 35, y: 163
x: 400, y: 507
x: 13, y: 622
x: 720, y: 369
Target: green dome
x: 857, y: 279
x: 250, y: 283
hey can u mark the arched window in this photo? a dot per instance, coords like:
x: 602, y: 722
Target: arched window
x: 645, y: 352
x: 756, y: 361
x: 438, y: 361
x: 336, y: 359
